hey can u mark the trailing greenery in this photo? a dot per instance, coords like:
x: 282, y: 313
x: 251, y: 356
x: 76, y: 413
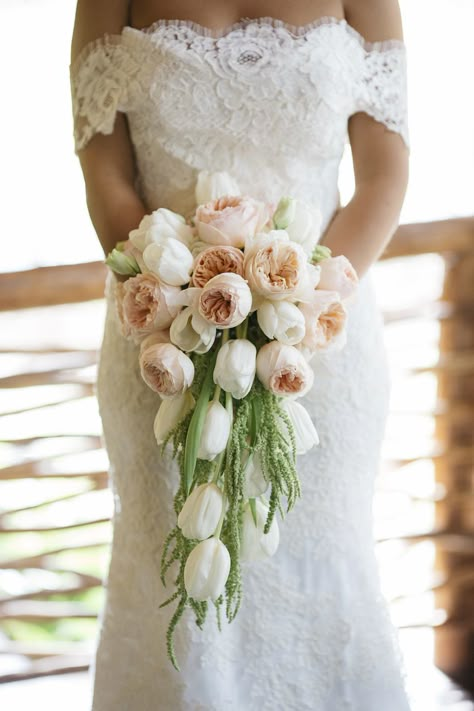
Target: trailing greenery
x: 256, y: 428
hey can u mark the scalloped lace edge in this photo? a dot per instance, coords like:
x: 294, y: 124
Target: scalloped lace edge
x: 268, y: 21
x: 297, y: 31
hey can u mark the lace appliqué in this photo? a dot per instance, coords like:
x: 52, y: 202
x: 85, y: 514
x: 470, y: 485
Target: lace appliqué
x: 102, y: 79
x: 382, y: 92
x: 114, y: 73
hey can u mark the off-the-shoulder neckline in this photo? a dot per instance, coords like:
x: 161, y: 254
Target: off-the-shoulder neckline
x: 265, y: 21
x: 194, y: 28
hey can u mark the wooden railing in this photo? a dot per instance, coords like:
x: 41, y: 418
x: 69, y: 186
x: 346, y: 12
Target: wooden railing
x: 54, y: 524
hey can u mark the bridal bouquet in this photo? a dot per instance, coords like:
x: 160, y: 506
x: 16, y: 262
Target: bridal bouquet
x: 229, y: 308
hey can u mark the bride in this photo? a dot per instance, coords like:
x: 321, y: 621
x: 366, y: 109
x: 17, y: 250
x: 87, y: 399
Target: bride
x: 271, y: 98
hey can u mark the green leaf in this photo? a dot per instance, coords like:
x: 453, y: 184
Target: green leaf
x: 253, y: 509
x: 196, y: 425
x: 256, y: 410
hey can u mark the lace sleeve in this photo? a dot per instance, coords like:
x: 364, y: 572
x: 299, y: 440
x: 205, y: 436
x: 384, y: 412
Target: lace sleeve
x: 99, y: 88
x: 382, y: 90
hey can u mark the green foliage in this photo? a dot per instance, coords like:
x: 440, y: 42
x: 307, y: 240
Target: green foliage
x: 257, y: 427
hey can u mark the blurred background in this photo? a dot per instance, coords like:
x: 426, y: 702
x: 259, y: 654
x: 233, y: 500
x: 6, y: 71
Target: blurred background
x: 55, y: 507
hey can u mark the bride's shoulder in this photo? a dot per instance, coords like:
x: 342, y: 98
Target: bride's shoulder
x: 375, y: 20
x: 96, y: 19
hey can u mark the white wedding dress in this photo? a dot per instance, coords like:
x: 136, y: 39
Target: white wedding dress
x: 269, y: 103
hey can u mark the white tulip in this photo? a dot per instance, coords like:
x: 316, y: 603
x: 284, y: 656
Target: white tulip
x: 255, y: 483
x: 255, y: 544
x: 235, y: 367
x: 305, y: 226
x: 172, y: 411
x: 281, y: 320
x: 215, y: 432
x: 201, y: 511
x: 160, y: 225
x: 207, y: 569
x: 170, y: 260
x: 213, y: 185
x: 305, y: 432
x: 191, y: 332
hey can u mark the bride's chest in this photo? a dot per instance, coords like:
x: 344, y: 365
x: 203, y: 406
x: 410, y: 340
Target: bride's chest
x: 256, y: 84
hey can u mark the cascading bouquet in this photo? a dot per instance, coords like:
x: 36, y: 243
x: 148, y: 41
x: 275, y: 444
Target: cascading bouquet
x: 228, y: 308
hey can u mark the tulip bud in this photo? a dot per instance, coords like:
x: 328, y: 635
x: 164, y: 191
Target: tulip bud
x: 305, y: 432
x: 207, y: 569
x: 320, y: 252
x: 256, y: 544
x: 120, y: 263
x: 215, y: 432
x: 201, y: 511
x: 171, y: 412
x: 285, y: 213
x: 235, y: 367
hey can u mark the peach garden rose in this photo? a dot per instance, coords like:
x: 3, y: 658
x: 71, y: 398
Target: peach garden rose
x: 283, y: 370
x: 275, y: 267
x: 325, y: 318
x: 145, y: 304
x: 217, y: 260
x: 230, y: 219
x: 166, y: 370
x: 338, y: 274
x: 225, y: 300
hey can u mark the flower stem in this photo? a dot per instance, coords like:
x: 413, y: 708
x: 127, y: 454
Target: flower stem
x: 217, y: 467
x: 241, y: 330
x: 229, y: 406
x: 196, y: 425
x: 217, y: 532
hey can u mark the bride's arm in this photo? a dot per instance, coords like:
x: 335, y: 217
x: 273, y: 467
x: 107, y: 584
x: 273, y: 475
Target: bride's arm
x: 363, y: 228
x: 107, y: 162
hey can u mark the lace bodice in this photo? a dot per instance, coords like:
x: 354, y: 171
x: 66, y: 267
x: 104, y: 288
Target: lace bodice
x: 264, y: 100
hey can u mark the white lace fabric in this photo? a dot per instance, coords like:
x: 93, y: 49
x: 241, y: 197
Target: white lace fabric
x: 269, y: 103
x: 263, y: 90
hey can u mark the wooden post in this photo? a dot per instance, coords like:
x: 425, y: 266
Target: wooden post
x: 454, y: 640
